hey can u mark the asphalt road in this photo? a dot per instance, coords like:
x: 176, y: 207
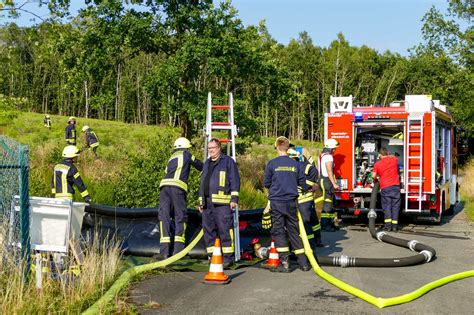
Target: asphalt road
x: 255, y: 290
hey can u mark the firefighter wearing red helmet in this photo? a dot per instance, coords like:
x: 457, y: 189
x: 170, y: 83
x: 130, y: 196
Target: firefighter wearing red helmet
x: 328, y: 184
x: 173, y: 190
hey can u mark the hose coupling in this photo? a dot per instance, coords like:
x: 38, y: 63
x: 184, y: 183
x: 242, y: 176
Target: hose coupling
x: 412, y: 244
x: 372, y: 214
x: 428, y: 255
x: 379, y: 235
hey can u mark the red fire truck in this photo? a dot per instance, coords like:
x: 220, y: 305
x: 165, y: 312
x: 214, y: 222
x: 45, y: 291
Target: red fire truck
x: 418, y: 130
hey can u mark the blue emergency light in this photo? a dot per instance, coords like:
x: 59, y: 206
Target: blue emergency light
x: 300, y: 150
x: 358, y: 116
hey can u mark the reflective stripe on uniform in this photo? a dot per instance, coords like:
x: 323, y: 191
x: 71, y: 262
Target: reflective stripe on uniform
x: 222, y: 178
x: 316, y: 227
x: 305, y: 197
x: 209, y: 250
x: 77, y: 175
x: 283, y: 249
x: 174, y: 182
x: 84, y: 193
x: 394, y: 222
x: 179, y: 239
x: 229, y: 249
x: 96, y: 144
x: 299, y: 251
x: 310, y: 236
x: 234, y: 193
x: 221, y: 198
x: 63, y: 196
x: 388, y: 220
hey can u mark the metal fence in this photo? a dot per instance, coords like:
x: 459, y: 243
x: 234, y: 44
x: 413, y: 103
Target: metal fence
x: 14, y: 172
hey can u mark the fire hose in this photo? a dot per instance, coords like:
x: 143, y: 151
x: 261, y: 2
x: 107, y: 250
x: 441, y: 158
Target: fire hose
x: 378, y: 301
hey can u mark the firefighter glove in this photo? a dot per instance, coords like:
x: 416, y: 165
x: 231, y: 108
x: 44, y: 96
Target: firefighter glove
x: 266, y: 221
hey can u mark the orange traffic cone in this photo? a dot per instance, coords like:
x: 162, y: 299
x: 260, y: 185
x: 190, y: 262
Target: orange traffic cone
x: 273, y: 258
x: 216, y: 273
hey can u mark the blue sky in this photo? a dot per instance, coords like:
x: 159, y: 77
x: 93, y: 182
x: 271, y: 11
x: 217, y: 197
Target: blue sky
x: 393, y: 25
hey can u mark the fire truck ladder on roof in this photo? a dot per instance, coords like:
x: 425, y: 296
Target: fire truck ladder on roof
x: 414, y: 161
x: 228, y: 125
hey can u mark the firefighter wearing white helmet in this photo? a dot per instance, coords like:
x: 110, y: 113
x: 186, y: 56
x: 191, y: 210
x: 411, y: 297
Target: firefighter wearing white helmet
x: 66, y: 175
x: 182, y: 143
x: 71, y: 131
x: 90, y: 140
x: 47, y: 121
x: 328, y: 184
x: 173, y: 190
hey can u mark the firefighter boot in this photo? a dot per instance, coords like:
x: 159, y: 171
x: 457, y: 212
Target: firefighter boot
x: 284, y: 266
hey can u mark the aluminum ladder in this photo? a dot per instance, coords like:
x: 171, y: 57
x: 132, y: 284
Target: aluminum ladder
x: 414, y: 161
x: 232, y: 130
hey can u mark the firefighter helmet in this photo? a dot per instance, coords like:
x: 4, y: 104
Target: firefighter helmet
x: 47, y: 116
x: 72, y: 118
x: 182, y: 143
x: 292, y: 153
x: 85, y: 128
x: 331, y: 143
x: 70, y: 151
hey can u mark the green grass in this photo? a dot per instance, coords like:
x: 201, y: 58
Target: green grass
x: 466, y: 177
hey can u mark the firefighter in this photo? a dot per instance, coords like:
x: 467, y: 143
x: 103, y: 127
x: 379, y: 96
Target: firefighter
x: 328, y: 185
x: 71, y: 131
x: 90, y: 139
x: 173, y: 190
x: 66, y: 175
x: 306, y: 201
x: 386, y: 170
x: 47, y: 121
x: 283, y: 175
x: 218, y: 197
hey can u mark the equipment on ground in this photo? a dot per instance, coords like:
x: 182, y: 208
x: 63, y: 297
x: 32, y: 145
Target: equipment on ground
x: 418, y: 131
x: 232, y: 130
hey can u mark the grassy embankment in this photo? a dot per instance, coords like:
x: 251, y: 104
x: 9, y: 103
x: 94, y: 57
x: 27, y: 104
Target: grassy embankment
x: 132, y: 161
x: 467, y: 189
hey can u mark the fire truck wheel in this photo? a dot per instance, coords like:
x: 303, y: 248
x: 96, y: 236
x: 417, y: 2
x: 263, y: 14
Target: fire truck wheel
x: 437, y: 217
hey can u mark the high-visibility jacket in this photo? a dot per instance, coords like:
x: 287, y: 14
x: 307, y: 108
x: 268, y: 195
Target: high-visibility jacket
x: 178, y: 169
x: 91, y: 139
x: 71, y: 134
x: 311, y: 178
x: 224, y: 182
x: 65, y: 176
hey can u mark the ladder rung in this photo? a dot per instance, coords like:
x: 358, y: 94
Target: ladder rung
x: 410, y: 171
x: 413, y: 144
x: 225, y: 140
x: 415, y: 157
x: 221, y: 123
x: 224, y: 107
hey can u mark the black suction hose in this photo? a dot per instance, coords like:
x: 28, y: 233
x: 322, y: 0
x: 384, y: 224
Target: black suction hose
x: 426, y: 253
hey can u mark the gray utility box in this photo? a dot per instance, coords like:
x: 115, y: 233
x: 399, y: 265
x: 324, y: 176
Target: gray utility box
x: 54, y: 223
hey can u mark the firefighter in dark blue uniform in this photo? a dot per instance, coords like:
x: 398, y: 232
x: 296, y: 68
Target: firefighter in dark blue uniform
x: 306, y: 201
x: 90, y: 140
x: 283, y: 175
x: 173, y: 189
x: 47, y: 121
x: 218, y: 197
x: 66, y: 175
x: 71, y: 131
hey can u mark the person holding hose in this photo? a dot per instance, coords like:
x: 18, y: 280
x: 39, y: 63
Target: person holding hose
x: 173, y: 190
x: 328, y: 185
x: 283, y: 175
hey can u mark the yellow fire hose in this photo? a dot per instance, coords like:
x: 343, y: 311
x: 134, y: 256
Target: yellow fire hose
x: 127, y: 276
x: 377, y: 301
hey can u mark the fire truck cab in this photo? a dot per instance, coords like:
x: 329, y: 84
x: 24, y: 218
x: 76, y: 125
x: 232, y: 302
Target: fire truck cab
x: 418, y: 131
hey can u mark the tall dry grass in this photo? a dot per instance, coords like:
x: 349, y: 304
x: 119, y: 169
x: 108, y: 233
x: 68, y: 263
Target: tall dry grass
x: 466, y: 182
x: 68, y: 293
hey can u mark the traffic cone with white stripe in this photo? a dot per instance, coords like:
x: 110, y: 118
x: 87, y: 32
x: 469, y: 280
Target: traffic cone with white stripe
x: 273, y: 259
x: 216, y: 273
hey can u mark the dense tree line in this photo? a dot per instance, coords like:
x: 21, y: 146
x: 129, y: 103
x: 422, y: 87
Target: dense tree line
x: 154, y: 61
